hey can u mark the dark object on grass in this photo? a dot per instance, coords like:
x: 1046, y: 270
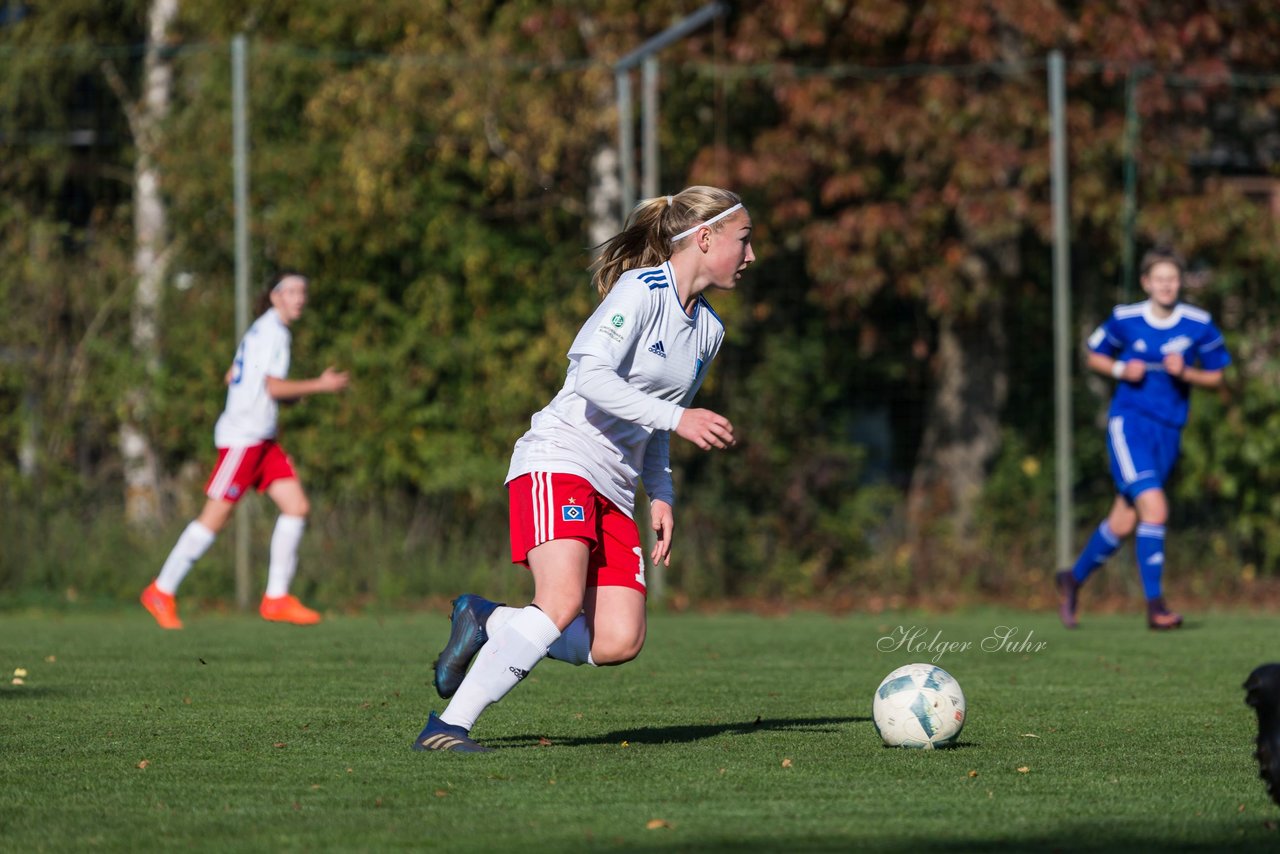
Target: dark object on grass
x: 1262, y: 691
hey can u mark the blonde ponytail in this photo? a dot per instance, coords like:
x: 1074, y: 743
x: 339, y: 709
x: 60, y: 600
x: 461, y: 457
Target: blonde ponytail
x: 646, y: 241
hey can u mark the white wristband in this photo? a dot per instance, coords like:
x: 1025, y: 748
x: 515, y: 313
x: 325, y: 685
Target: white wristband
x: 1117, y: 369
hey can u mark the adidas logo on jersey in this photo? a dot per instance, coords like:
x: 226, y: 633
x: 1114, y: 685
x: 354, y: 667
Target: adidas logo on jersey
x: 658, y: 350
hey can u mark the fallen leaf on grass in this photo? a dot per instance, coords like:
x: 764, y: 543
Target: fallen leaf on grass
x: 655, y: 823
x: 1024, y: 769
x: 973, y: 773
x: 626, y: 744
x: 786, y: 763
x: 280, y: 744
x: 544, y: 742
x: 143, y: 764
x: 20, y: 672
x: 18, y: 681
x: 50, y: 659
x: 441, y: 793
x: 1029, y: 735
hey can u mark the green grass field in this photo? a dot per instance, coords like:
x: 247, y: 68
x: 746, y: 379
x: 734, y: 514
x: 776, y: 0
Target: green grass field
x: 730, y: 731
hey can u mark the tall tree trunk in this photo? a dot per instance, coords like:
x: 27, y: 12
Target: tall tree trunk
x: 604, y: 196
x: 604, y: 193
x: 150, y: 264
x: 962, y: 433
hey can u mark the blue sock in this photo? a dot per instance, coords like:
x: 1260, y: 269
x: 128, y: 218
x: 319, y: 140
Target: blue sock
x: 1101, y: 546
x: 1150, y: 552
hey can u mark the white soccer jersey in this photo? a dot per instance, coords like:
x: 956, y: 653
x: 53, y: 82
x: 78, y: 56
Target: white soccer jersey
x: 633, y: 368
x: 250, y: 414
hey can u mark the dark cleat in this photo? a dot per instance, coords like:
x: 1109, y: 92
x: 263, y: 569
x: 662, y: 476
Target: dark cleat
x: 1262, y: 692
x: 466, y: 635
x: 438, y: 735
x: 1160, y: 618
x: 1068, y: 592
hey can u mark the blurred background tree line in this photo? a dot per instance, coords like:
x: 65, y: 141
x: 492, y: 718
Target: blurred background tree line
x: 441, y: 169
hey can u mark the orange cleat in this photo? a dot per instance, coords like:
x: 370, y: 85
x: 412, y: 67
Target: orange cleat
x: 162, y: 606
x: 287, y: 609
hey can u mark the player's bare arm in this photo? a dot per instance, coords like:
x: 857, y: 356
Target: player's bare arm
x: 1131, y: 371
x: 329, y: 382
x: 1176, y: 366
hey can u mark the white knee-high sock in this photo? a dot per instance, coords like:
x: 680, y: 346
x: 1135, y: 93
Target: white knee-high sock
x: 191, y: 546
x: 501, y: 663
x: 574, y: 644
x: 284, y: 554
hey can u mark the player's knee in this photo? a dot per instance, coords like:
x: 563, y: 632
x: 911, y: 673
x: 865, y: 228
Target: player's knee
x: 616, y: 647
x: 1123, y: 526
x: 561, y: 609
x: 297, y: 506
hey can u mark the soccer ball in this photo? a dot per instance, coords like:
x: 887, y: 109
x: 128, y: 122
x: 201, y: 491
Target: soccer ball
x: 919, y: 705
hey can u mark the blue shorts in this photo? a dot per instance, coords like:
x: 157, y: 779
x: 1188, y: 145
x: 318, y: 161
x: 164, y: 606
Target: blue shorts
x: 1142, y: 453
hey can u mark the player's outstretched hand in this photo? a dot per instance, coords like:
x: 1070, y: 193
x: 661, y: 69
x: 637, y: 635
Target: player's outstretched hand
x: 332, y: 380
x: 706, y: 429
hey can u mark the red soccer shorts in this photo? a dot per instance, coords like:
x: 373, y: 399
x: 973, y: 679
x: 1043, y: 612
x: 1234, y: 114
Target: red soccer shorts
x: 547, y: 506
x: 240, y: 469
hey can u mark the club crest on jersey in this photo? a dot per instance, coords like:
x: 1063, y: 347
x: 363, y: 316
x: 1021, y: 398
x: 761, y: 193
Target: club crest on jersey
x: 658, y: 350
x: 617, y: 320
x: 572, y: 513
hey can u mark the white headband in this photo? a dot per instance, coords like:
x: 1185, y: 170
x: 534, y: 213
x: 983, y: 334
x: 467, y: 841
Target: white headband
x: 724, y: 213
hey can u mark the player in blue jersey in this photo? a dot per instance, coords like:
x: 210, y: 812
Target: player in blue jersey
x: 1157, y: 351
x: 634, y: 369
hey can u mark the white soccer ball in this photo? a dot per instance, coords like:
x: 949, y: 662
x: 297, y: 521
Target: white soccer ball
x: 920, y: 706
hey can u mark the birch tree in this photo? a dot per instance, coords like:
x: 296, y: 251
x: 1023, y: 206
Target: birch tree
x: 150, y: 260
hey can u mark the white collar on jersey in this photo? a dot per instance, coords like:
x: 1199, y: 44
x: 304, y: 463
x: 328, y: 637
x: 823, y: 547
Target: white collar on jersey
x: 1148, y: 314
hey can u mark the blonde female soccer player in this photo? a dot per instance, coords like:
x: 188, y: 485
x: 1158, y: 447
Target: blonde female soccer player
x: 249, y: 457
x: 634, y: 369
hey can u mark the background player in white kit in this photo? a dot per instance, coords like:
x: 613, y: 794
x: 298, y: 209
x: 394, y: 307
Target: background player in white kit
x: 248, y: 457
x: 634, y: 368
